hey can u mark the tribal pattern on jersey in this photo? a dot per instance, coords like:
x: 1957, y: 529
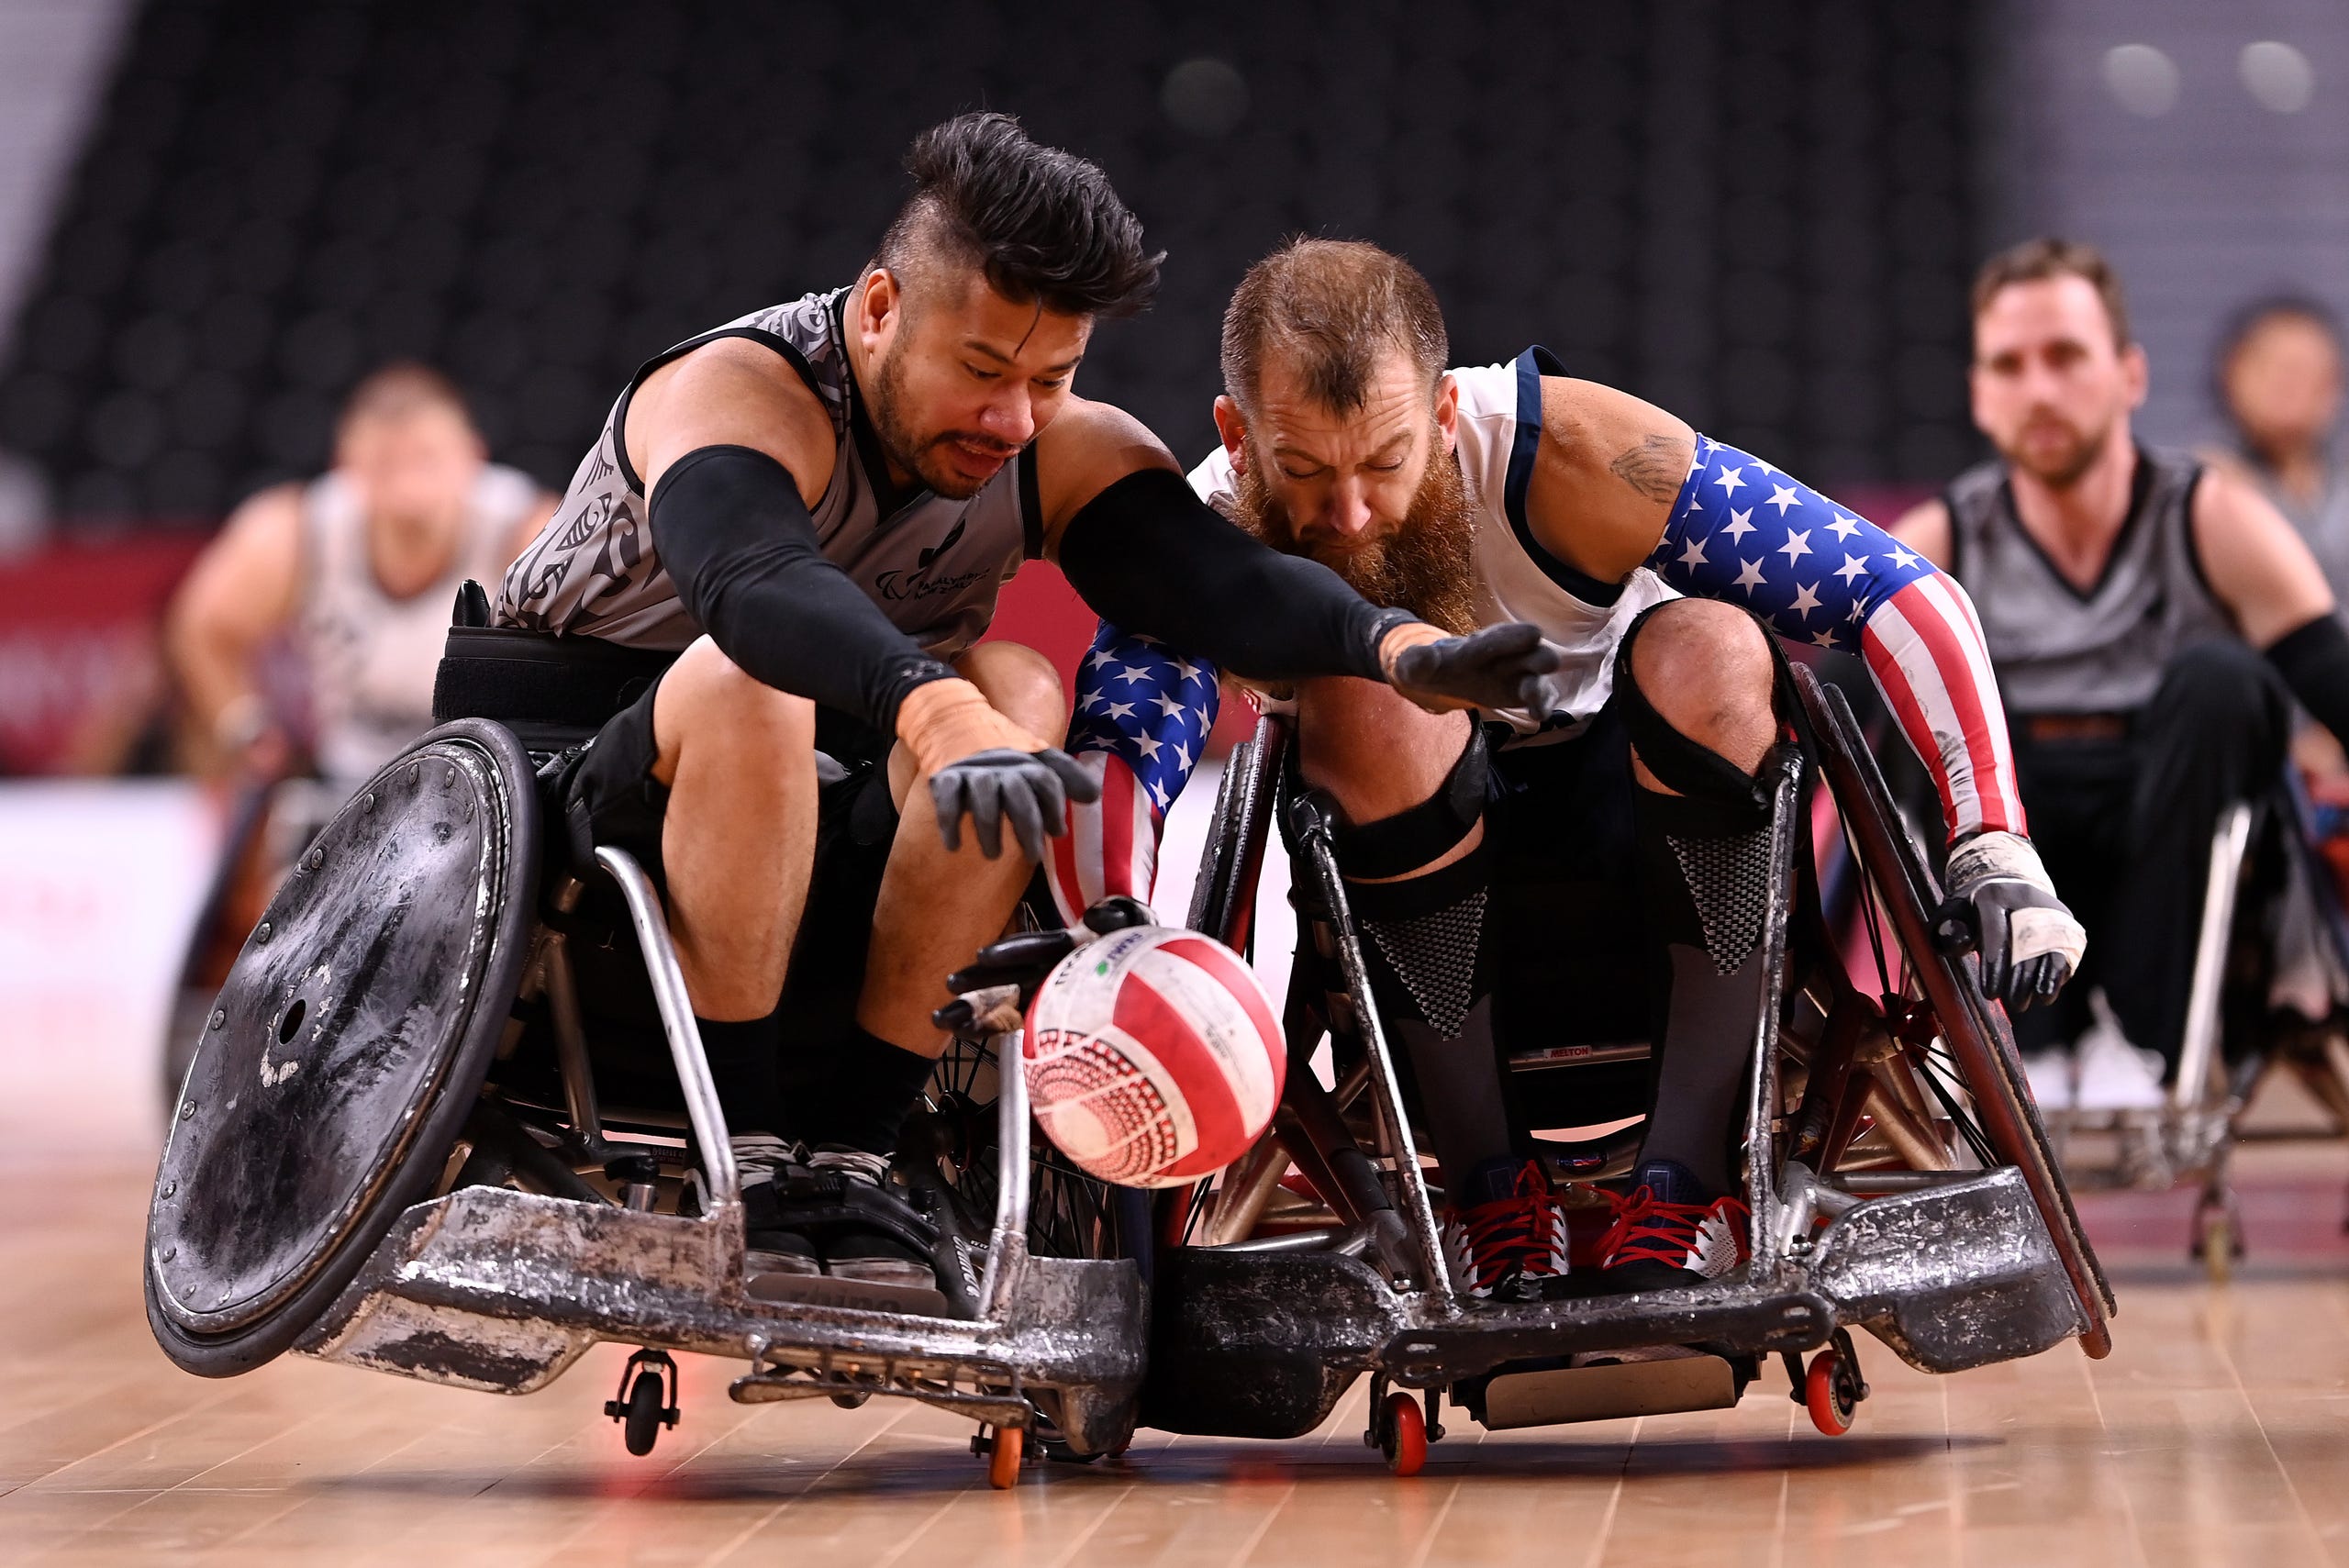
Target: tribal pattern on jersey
x: 1743, y: 532
x: 1143, y: 718
x: 933, y: 564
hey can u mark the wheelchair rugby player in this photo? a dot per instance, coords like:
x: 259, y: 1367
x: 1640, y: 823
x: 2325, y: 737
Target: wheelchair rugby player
x: 1489, y: 889
x: 740, y: 667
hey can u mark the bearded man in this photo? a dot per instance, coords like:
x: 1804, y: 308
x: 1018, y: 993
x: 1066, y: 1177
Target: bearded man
x: 1515, y: 876
x: 2146, y: 616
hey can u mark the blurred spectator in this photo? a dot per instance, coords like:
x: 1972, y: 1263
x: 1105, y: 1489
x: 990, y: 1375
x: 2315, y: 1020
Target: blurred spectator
x: 2279, y: 381
x: 2150, y: 621
x: 360, y: 567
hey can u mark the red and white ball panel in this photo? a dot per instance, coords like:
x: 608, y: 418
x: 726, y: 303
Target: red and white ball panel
x: 1153, y: 1057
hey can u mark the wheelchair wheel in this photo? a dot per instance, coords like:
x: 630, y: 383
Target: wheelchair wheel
x: 1950, y: 1091
x: 343, y: 1054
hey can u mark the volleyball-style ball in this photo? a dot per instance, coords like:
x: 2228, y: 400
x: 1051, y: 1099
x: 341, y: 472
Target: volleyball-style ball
x: 1153, y: 1057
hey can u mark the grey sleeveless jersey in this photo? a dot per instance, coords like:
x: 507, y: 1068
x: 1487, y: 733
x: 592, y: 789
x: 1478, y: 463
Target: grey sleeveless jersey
x: 2057, y: 648
x: 932, y: 564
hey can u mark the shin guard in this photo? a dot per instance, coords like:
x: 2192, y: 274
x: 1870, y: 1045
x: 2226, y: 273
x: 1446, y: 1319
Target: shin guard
x: 1705, y: 879
x: 1425, y: 947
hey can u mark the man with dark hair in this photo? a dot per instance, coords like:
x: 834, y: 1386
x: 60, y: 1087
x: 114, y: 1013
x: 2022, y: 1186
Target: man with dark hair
x: 1510, y: 875
x: 2146, y: 616
x: 813, y: 508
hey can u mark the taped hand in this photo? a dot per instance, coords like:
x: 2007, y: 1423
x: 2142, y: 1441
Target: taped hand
x: 2028, y: 943
x: 1499, y: 667
x: 983, y: 765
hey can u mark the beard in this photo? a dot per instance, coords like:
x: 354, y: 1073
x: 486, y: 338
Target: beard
x: 1426, y: 565
x: 922, y: 453
x: 2063, y: 464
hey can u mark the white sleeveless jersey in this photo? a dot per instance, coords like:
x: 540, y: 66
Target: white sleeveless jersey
x: 371, y: 657
x: 933, y: 564
x: 1583, y: 619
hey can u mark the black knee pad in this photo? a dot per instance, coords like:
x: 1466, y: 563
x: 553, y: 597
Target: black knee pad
x: 1395, y: 845
x: 1684, y: 766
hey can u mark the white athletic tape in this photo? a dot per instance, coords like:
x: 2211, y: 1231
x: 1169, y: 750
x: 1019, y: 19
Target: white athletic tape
x: 2031, y: 931
x: 1990, y: 857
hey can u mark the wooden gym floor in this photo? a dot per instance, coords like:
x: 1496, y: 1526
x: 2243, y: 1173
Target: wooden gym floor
x: 2217, y: 1433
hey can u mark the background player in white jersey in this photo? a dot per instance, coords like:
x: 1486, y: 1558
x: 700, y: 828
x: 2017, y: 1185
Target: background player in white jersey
x: 2146, y: 616
x: 360, y: 566
x: 812, y: 508
x: 1511, y: 876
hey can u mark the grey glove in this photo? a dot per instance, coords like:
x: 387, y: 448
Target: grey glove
x: 1506, y: 666
x: 2028, y: 942
x: 1032, y: 788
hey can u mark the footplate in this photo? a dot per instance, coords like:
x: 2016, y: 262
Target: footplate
x: 498, y: 1290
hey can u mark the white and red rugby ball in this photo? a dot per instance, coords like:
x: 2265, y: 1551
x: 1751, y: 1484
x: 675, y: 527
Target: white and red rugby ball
x: 1153, y: 1057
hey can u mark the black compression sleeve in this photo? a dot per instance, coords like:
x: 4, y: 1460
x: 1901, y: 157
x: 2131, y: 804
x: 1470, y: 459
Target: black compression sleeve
x: 1153, y: 559
x: 737, y: 540
x: 2314, y: 662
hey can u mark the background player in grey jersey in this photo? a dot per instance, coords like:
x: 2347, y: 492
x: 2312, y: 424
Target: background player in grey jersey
x: 2145, y: 616
x: 777, y: 499
x: 360, y: 567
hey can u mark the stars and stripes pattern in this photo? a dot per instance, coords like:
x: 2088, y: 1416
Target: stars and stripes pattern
x: 1143, y: 718
x: 1744, y: 533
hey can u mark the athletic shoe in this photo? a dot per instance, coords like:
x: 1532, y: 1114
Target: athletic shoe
x: 1670, y: 1233
x: 763, y: 1163
x: 1507, y: 1242
x: 2115, y: 1075
x: 870, y: 1233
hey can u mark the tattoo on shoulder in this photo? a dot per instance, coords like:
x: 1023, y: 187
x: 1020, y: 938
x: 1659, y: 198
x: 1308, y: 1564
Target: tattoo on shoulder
x: 1654, y: 468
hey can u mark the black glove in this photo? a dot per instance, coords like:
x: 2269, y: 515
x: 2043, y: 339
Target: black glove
x: 2028, y: 942
x: 1506, y: 666
x: 1032, y: 788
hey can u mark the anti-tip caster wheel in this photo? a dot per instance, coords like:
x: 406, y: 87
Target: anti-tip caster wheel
x: 1006, y: 1448
x: 1403, y: 1435
x: 647, y: 1402
x: 1832, y: 1387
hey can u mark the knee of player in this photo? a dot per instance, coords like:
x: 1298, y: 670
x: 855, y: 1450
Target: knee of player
x: 1021, y: 685
x: 1705, y: 667
x: 719, y: 702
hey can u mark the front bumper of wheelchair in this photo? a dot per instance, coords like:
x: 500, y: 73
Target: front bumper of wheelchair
x: 498, y: 1290
x: 1951, y: 1277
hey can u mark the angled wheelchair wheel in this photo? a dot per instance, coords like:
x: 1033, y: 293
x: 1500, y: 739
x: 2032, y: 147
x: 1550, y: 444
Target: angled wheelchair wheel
x: 1947, y: 1084
x: 341, y: 1056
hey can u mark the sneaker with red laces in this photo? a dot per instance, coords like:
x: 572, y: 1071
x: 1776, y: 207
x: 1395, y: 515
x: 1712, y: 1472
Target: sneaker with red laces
x: 1669, y: 1233
x: 1506, y: 1242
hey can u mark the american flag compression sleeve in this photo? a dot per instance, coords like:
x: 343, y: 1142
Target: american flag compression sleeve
x: 1745, y: 533
x: 1142, y: 716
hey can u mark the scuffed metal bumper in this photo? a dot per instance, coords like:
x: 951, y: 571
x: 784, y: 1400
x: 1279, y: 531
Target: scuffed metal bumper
x: 1952, y: 1277
x: 499, y: 1290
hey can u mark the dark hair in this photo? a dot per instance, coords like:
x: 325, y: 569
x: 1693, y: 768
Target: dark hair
x: 2249, y: 318
x: 1330, y: 307
x: 1042, y: 224
x: 2034, y: 260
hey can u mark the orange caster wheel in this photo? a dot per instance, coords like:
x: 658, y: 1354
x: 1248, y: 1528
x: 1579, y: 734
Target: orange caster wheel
x: 1832, y: 1387
x: 1403, y: 1436
x: 1004, y: 1452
